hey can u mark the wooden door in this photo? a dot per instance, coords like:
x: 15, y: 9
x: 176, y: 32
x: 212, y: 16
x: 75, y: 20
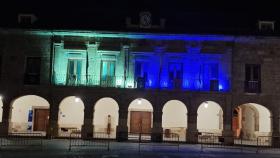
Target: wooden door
x: 140, y: 122
x: 41, y: 119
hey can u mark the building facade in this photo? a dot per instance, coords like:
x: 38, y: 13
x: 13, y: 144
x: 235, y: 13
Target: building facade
x: 60, y: 81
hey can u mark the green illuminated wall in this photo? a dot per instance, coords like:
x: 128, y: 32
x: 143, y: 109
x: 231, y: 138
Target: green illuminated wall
x: 91, y: 59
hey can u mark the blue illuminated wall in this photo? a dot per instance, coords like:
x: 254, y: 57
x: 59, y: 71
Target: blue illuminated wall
x: 197, y: 69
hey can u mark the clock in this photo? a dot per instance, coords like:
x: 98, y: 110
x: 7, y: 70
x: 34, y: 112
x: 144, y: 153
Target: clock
x: 145, y: 20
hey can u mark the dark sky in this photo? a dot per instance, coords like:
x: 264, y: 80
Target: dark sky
x: 104, y: 13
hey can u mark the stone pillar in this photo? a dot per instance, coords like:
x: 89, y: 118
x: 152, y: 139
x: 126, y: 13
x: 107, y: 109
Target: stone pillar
x: 122, y: 129
x: 157, y: 126
x: 4, y: 125
x: 52, y: 130
x: 192, y: 132
x: 227, y: 122
x: 87, y: 127
x: 275, y: 123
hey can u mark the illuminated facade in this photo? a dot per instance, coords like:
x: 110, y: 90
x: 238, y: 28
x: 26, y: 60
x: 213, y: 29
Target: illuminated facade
x: 143, y: 63
x: 113, y: 81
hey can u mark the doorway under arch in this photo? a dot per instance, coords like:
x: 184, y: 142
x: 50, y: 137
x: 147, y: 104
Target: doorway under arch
x: 251, y: 120
x: 210, y: 118
x: 140, y: 116
x: 29, y: 113
x: 70, y: 116
x: 174, y: 119
x: 106, y: 117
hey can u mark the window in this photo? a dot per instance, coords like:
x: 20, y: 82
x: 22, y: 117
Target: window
x: 214, y: 77
x: 141, y: 73
x: 266, y: 26
x: 32, y: 70
x: 252, y: 78
x: 74, y: 70
x: 175, y: 74
x: 108, y: 73
x: 211, y: 76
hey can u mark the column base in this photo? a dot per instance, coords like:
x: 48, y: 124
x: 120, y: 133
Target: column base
x: 122, y: 133
x: 87, y: 131
x: 228, y: 137
x: 192, y: 136
x: 275, y: 141
x: 4, y: 128
x: 52, y: 131
x: 157, y: 134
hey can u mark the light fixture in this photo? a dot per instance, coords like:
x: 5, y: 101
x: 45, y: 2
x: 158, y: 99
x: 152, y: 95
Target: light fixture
x: 139, y: 101
x: 1, y: 97
x: 77, y: 99
x: 206, y: 104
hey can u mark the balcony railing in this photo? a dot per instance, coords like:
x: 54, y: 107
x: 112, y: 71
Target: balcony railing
x: 176, y: 83
x: 253, y: 86
x: 93, y: 81
x: 193, y: 84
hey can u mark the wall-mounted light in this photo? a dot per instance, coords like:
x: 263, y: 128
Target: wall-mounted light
x: 139, y: 101
x: 77, y: 99
x: 206, y: 104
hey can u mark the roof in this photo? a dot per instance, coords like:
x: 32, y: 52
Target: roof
x: 181, y: 17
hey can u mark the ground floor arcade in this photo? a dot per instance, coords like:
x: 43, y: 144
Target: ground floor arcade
x: 120, y: 119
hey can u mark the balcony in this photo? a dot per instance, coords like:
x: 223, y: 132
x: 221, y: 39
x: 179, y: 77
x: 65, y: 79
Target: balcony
x: 252, y: 86
x: 176, y: 83
x: 93, y: 81
x: 188, y: 84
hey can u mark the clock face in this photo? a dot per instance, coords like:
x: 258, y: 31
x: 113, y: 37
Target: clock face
x: 145, y: 20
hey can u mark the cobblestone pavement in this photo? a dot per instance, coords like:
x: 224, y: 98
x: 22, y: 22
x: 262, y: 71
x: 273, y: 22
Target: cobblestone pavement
x: 60, y: 149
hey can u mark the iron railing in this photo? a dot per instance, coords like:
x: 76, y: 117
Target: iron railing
x: 252, y: 86
x: 98, y: 141
x: 268, y: 143
x: 145, y: 139
x: 22, y: 140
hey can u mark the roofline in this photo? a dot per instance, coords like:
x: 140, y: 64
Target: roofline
x: 135, y: 35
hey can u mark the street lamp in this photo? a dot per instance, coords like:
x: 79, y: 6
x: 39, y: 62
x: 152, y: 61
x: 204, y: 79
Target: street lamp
x: 77, y: 99
x: 206, y: 104
x: 139, y: 101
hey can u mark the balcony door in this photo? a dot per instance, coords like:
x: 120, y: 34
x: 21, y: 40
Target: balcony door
x: 74, y: 71
x: 141, y: 74
x: 175, y: 74
x: 108, y: 73
x: 253, y: 78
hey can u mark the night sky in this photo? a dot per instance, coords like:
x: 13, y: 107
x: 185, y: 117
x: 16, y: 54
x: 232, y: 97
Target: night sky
x: 180, y: 15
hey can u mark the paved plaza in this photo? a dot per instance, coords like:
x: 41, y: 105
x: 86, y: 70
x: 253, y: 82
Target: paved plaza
x: 59, y: 148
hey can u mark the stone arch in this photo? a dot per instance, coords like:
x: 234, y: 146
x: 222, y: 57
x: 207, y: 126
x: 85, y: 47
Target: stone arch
x: 252, y: 120
x: 174, y: 119
x: 140, y: 111
x: 29, y: 113
x: 106, y: 117
x: 70, y: 115
x: 210, y: 117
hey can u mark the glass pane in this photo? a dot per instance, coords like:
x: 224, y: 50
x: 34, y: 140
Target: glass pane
x: 104, y: 69
x: 256, y: 72
x: 112, y: 69
x: 247, y: 72
x: 71, y: 67
x: 214, y: 71
x: 138, y: 68
x: 79, y: 69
